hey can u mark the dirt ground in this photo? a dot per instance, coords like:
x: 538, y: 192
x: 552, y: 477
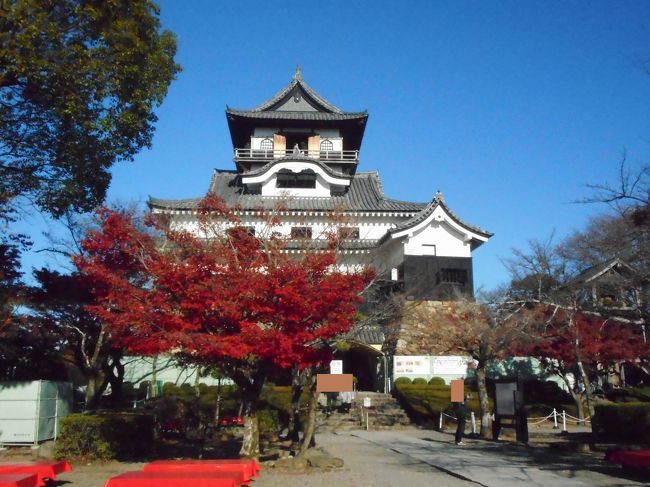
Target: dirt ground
x: 367, y: 464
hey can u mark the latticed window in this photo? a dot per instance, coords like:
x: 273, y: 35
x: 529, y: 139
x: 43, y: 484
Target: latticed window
x: 266, y: 144
x: 326, y: 145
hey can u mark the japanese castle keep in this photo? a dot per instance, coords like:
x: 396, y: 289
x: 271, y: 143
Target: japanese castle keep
x: 299, y: 149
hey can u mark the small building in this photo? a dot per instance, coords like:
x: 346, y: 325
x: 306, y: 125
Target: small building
x: 298, y: 149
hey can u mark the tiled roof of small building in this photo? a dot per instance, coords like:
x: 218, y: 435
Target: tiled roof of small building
x: 364, y: 194
x: 369, y: 334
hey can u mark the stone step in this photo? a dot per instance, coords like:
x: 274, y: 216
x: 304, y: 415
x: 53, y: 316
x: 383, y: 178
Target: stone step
x: 385, y: 413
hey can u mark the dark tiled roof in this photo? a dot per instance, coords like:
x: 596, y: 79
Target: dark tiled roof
x: 317, y: 244
x: 426, y: 211
x: 286, y: 115
x: 370, y: 335
x: 298, y: 158
x: 595, y: 271
x: 324, y: 109
x: 363, y: 194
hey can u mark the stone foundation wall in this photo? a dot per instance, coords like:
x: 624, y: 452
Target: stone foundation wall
x: 410, y: 335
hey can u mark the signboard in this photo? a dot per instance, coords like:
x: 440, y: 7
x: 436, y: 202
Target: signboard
x: 452, y: 365
x: 367, y: 402
x: 336, y: 367
x: 458, y: 390
x: 411, y: 365
x: 505, y: 400
x: 334, y: 383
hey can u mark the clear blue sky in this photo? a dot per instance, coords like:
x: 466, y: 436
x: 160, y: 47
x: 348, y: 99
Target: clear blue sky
x: 509, y: 107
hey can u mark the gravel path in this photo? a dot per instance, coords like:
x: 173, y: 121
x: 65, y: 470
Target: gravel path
x: 366, y: 465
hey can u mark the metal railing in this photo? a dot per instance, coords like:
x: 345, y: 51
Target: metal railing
x: 270, y: 154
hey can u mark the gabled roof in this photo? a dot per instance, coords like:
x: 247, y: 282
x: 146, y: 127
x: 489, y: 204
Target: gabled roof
x: 422, y: 215
x: 315, y: 108
x: 365, y: 194
x: 599, y: 270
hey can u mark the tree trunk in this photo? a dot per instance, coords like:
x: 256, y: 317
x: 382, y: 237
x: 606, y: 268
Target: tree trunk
x: 96, y: 386
x: 153, y: 385
x: 297, y: 386
x: 250, y: 447
x: 308, y: 439
x: 115, y: 376
x: 250, y: 387
x: 483, y: 400
x: 587, y: 385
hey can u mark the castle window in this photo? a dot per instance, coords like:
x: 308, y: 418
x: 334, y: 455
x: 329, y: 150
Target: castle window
x: 303, y: 179
x: 326, y: 145
x: 453, y: 276
x: 301, y: 232
x: 266, y: 144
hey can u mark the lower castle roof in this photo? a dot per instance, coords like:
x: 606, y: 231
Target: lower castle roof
x: 364, y: 194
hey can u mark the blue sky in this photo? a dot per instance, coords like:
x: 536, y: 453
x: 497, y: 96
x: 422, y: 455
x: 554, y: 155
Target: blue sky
x: 509, y: 108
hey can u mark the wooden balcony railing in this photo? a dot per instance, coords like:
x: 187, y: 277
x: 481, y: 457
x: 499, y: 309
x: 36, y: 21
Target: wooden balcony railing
x: 347, y: 156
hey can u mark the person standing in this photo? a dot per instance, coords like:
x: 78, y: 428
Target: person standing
x: 460, y: 409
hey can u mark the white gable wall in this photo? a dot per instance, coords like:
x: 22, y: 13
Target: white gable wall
x: 438, y: 239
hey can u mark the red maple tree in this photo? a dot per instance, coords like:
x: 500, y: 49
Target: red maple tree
x: 219, y: 295
x: 571, y: 342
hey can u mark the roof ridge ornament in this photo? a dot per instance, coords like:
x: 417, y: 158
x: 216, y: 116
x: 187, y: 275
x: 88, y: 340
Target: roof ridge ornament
x: 298, y: 74
x: 439, y: 197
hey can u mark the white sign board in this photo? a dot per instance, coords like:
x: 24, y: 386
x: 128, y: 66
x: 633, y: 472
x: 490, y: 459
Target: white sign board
x: 449, y: 365
x: 336, y: 367
x: 411, y: 365
x: 367, y: 402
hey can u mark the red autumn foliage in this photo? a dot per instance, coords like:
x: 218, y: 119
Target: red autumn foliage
x: 593, y: 340
x: 228, y: 297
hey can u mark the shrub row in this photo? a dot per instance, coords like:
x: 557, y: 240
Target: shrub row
x: 623, y: 422
x: 105, y: 436
x: 434, y: 381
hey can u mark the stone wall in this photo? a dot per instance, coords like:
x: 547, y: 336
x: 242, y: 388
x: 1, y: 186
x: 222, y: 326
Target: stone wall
x: 410, y: 335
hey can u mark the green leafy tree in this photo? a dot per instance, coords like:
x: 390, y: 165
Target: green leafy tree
x: 79, y: 83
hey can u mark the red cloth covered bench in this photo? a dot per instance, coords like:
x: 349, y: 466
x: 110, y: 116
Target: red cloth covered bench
x: 630, y: 458
x: 175, y: 479
x: 44, y: 469
x: 18, y: 480
x: 248, y: 467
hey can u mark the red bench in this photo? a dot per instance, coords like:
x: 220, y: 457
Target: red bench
x: 175, y: 479
x: 249, y: 468
x: 630, y: 458
x: 18, y: 480
x: 44, y: 469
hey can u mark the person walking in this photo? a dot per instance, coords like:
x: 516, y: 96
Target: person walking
x: 460, y: 409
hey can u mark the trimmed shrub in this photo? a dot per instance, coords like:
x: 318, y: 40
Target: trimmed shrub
x: 402, y: 380
x: 419, y: 382
x: 105, y: 436
x: 424, y: 403
x: 623, y: 421
x: 437, y: 381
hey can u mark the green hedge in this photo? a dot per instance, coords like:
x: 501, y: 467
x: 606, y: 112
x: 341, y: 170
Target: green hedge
x: 105, y: 436
x: 424, y: 403
x: 623, y: 422
x: 437, y: 381
x: 402, y: 380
